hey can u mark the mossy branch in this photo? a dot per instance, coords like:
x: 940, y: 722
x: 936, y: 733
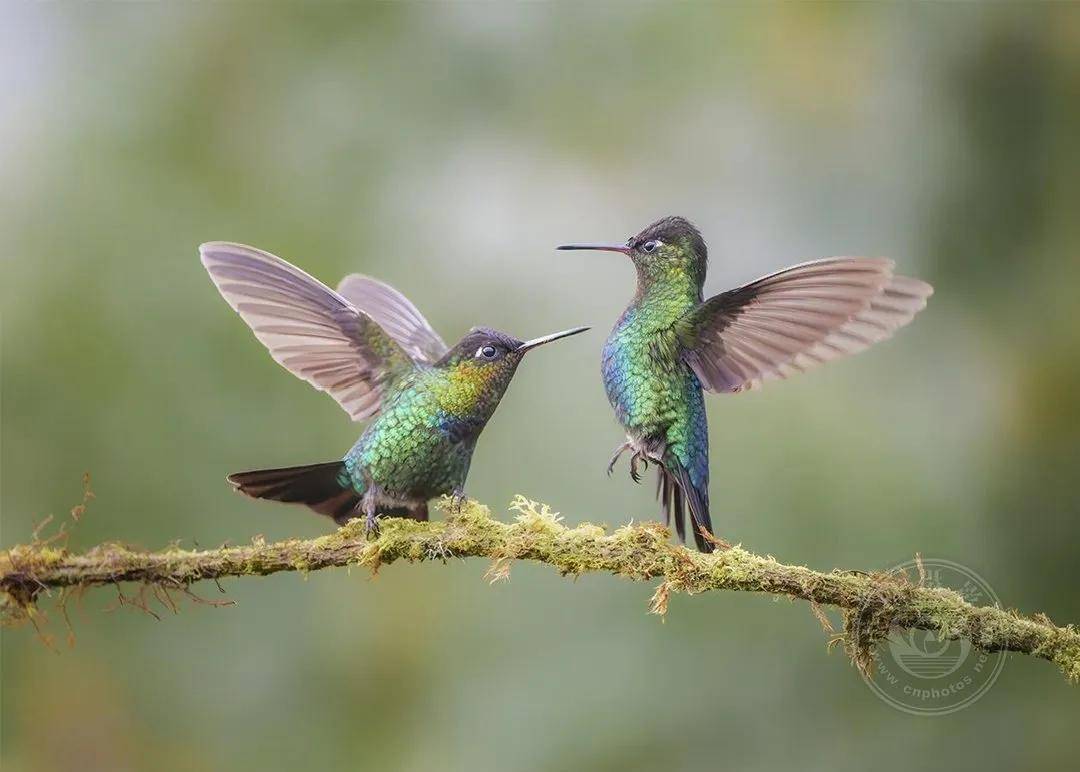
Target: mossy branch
x: 872, y: 604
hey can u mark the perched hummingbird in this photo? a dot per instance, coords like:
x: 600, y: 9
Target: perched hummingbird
x: 670, y: 343
x: 369, y: 348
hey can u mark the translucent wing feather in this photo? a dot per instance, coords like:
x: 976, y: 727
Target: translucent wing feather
x: 797, y: 318
x: 395, y: 314
x: 309, y: 329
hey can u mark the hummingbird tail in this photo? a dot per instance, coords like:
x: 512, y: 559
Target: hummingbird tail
x: 677, y: 492
x: 323, y: 487
x: 671, y: 501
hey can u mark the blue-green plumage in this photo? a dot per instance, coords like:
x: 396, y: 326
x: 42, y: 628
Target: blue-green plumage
x: 418, y: 447
x: 670, y: 344
x: 656, y: 397
x: 368, y: 347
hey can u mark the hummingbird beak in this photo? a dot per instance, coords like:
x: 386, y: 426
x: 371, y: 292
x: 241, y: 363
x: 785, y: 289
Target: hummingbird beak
x: 599, y: 247
x: 531, y: 344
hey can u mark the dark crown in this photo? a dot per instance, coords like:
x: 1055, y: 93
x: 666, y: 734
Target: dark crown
x: 482, y: 335
x: 477, y: 337
x: 672, y: 230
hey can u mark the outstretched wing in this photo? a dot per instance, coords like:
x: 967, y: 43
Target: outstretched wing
x: 797, y: 318
x: 395, y: 314
x: 310, y: 330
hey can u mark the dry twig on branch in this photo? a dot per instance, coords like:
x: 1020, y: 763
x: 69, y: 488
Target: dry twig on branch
x: 872, y: 604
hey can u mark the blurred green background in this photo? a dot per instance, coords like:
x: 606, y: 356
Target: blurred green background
x: 446, y: 148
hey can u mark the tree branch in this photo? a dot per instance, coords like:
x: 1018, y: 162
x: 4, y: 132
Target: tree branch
x: 872, y: 604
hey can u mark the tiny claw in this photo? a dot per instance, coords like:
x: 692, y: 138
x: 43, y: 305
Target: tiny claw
x: 637, y: 458
x: 616, y: 456
x: 371, y: 525
x: 457, y: 502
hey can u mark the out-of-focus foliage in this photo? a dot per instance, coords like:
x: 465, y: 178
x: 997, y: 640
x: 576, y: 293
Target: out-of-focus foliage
x: 446, y: 148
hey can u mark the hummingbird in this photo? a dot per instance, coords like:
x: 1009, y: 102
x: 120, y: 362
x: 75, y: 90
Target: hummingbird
x: 370, y: 349
x: 670, y: 344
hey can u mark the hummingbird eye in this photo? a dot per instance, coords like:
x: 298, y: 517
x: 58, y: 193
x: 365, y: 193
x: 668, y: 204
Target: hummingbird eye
x: 650, y: 246
x: 486, y: 352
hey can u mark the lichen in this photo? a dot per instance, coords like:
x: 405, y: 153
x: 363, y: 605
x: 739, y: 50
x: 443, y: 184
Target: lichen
x: 872, y: 604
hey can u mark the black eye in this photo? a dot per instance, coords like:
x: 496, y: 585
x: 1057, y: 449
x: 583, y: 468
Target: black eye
x: 486, y: 352
x: 650, y: 246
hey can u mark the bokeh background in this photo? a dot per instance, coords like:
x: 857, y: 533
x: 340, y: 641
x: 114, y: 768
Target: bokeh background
x: 446, y: 148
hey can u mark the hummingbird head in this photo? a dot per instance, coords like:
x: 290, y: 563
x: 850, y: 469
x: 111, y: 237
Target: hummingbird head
x: 481, y: 365
x: 669, y: 246
x: 483, y: 350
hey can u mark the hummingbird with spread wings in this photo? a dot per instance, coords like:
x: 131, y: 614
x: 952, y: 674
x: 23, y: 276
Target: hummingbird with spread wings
x: 670, y: 344
x: 370, y: 349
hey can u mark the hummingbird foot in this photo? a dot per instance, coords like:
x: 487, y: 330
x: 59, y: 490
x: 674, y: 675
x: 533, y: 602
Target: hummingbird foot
x: 371, y: 523
x: 638, y: 458
x: 457, y: 501
x: 616, y: 456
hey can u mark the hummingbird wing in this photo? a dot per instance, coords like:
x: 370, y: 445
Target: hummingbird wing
x: 310, y: 330
x: 795, y: 319
x: 396, y: 314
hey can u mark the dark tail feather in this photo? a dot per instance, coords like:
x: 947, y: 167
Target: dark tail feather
x: 671, y: 500
x: 677, y: 506
x: 698, y: 502
x: 316, y: 485
x: 676, y: 492
x: 663, y: 494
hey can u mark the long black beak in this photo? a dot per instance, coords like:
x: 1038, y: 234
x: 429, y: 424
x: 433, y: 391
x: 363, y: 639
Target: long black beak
x: 530, y: 344
x: 599, y: 247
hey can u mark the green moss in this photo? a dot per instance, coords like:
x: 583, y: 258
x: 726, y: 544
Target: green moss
x: 872, y: 603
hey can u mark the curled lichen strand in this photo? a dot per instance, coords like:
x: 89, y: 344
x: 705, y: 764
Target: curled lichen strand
x: 872, y: 604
